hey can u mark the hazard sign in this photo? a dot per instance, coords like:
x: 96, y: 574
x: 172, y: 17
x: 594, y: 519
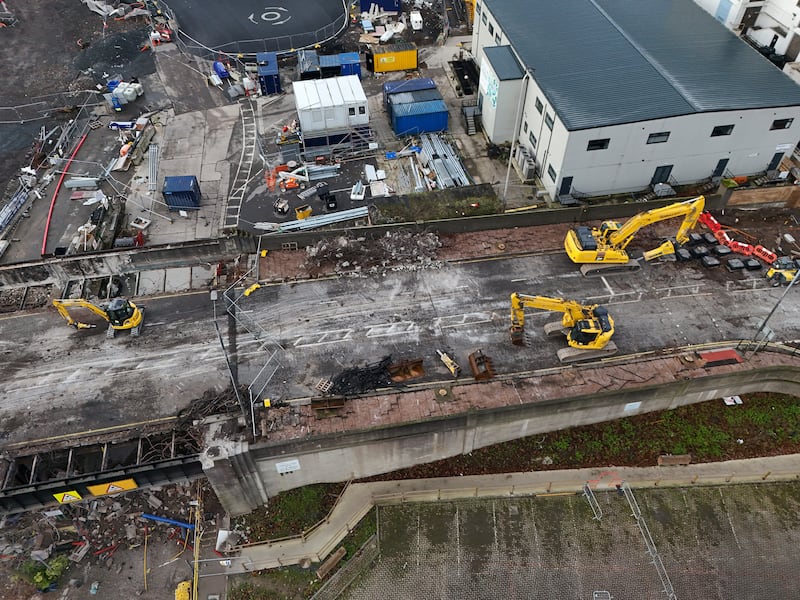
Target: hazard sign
x: 67, y: 497
x: 114, y: 487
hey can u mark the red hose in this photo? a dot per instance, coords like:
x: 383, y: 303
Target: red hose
x: 55, y: 193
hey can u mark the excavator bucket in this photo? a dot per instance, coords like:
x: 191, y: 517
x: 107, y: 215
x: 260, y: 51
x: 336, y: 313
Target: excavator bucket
x: 406, y: 369
x: 481, y: 365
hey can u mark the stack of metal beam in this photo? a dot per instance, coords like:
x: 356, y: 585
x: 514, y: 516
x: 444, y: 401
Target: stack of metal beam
x: 439, y: 155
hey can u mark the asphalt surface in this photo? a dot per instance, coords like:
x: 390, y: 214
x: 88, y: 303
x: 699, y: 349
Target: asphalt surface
x: 57, y: 380
x: 239, y: 25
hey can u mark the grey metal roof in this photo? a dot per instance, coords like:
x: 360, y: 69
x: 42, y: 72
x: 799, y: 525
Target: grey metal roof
x: 505, y: 64
x: 607, y: 62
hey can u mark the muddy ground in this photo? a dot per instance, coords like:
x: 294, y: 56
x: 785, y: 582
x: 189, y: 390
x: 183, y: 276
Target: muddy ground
x: 40, y: 57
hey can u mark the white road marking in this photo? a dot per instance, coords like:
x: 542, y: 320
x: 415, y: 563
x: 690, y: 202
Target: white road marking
x: 605, y: 283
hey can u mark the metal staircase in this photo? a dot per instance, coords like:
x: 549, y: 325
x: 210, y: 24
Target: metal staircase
x: 233, y: 205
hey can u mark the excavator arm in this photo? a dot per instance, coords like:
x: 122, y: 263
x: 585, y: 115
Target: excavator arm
x: 572, y: 311
x: 602, y: 249
x: 690, y: 210
x: 121, y: 314
x: 588, y: 328
x: 63, y: 307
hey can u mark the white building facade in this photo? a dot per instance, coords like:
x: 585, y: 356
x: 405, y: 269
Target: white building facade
x: 771, y: 23
x: 614, y: 115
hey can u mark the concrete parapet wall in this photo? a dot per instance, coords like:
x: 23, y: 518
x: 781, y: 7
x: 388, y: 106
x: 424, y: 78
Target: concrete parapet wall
x: 357, y: 454
x: 58, y: 272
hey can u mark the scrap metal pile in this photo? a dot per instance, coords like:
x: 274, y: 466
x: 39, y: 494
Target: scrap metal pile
x: 395, y: 251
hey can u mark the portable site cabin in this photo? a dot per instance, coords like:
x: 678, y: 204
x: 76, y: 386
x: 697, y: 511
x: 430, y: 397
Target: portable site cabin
x: 268, y: 78
x: 392, y: 57
x: 330, y: 105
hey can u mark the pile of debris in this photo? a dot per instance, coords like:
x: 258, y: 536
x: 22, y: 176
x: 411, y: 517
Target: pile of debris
x: 98, y: 531
x: 395, y: 251
x: 357, y: 380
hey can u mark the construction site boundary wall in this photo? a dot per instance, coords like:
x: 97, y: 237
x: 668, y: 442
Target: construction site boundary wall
x: 344, y: 456
x: 578, y: 214
x: 59, y: 271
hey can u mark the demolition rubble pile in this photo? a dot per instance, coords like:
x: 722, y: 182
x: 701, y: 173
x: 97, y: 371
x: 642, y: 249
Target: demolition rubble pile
x: 395, y: 251
x: 93, y: 531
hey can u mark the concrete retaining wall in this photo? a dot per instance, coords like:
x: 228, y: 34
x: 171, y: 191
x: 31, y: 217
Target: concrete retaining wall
x: 358, y: 454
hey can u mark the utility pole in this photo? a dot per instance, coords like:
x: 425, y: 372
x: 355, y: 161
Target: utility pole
x: 763, y: 327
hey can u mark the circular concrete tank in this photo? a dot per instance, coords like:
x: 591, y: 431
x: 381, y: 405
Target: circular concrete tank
x: 240, y: 26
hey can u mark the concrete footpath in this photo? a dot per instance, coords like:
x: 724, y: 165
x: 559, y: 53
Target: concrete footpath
x: 359, y: 498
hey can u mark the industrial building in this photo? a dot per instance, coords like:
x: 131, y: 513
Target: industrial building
x: 608, y: 96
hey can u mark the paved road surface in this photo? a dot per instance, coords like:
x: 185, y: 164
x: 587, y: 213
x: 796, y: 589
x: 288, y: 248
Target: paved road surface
x: 56, y: 380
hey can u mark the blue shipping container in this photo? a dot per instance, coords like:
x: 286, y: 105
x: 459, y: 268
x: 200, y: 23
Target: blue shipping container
x: 268, y: 78
x: 181, y: 192
x: 383, y: 4
x: 406, y: 85
x: 412, y: 98
x: 330, y: 65
x: 421, y: 117
x: 270, y: 83
x: 351, y: 63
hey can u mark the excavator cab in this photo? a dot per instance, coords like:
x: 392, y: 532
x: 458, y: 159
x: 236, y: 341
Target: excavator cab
x: 119, y: 311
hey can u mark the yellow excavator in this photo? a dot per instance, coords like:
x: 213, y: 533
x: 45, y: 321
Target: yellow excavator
x: 602, y: 250
x: 121, y: 314
x: 588, y: 328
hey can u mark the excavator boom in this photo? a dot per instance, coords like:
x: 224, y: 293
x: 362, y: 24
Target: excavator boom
x: 602, y: 249
x: 121, y: 314
x: 588, y: 328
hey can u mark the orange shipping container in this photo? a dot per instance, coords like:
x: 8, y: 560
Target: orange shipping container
x: 392, y: 57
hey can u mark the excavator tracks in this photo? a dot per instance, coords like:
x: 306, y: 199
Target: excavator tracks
x: 598, y: 269
x: 576, y: 355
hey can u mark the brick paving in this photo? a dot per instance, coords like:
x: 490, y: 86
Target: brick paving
x: 576, y: 381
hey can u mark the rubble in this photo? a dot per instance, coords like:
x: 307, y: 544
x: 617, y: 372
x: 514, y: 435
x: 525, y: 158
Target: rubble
x: 400, y: 250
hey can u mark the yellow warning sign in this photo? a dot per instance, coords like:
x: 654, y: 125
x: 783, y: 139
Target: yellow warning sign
x: 67, y: 497
x: 115, y: 487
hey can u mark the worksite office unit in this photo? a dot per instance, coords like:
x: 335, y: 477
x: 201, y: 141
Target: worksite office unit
x: 607, y: 113
x: 330, y: 106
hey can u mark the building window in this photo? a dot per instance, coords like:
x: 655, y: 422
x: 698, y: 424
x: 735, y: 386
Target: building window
x: 598, y: 144
x: 498, y: 39
x: 721, y: 130
x: 491, y: 29
x: 532, y: 139
x: 539, y: 106
x: 551, y: 172
x: 525, y: 127
x: 483, y: 18
x: 362, y: 110
x: 352, y: 111
x: 781, y: 124
x: 477, y: 8
x: 658, y: 138
x: 548, y: 120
